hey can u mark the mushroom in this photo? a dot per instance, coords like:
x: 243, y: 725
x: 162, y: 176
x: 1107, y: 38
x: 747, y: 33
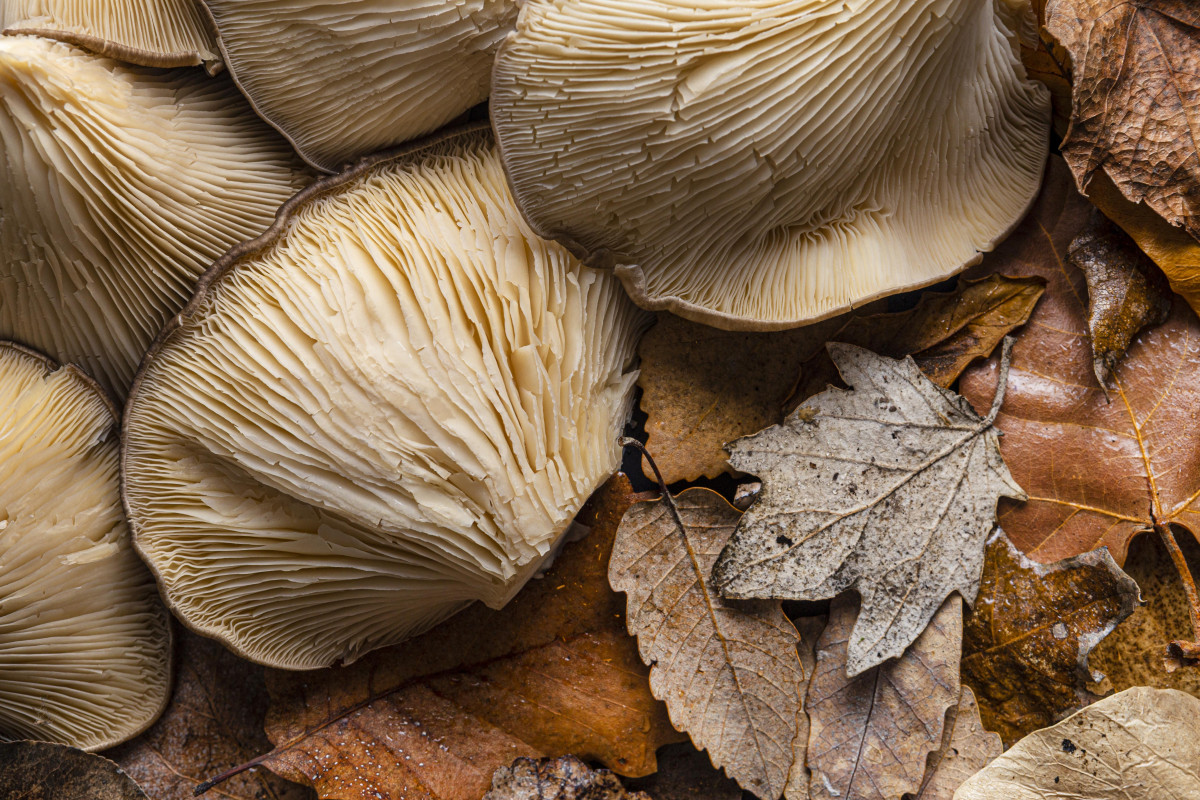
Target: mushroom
x: 389, y: 406
x: 122, y: 185
x: 764, y: 165
x: 152, y: 33
x: 85, y: 643
x: 344, y: 80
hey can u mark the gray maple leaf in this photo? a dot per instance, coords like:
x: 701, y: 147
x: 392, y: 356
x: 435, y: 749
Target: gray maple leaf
x: 889, y: 488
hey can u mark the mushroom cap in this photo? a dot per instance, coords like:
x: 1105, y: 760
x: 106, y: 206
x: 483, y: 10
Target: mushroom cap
x: 389, y: 406
x: 763, y: 165
x: 152, y: 33
x: 123, y: 184
x: 85, y: 643
x: 347, y: 79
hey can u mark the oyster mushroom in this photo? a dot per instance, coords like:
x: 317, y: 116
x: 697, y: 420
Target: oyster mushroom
x: 344, y: 80
x: 389, y: 406
x: 122, y: 186
x: 763, y: 165
x: 85, y: 643
x: 152, y: 33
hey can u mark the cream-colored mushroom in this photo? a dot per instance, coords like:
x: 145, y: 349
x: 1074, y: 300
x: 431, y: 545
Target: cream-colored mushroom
x: 122, y: 186
x: 152, y: 33
x: 760, y: 165
x: 343, y: 80
x: 390, y: 406
x: 85, y: 643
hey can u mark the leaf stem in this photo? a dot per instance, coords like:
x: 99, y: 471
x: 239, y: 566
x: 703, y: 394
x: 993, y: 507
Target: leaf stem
x: 1006, y: 347
x: 1180, y: 649
x: 201, y: 788
x: 627, y: 441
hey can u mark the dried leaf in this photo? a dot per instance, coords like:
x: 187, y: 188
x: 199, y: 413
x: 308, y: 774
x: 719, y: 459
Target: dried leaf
x: 1097, y: 472
x: 1045, y: 60
x: 966, y: 749
x: 1136, y: 79
x: 1175, y: 252
x: 703, y: 387
x: 1133, y: 654
x: 1027, y: 642
x: 728, y: 671
x: 949, y: 332
x: 45, y: 771
x: 564, y: 778
x: 1141, y: 744
x: 213, y: 722
x: 1124, y: 294
x: 552, y: 673
x: 871, y: 734
x: 889, y: 489
x: 685, y: 773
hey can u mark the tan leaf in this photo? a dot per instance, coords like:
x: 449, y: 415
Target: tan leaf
x: 213, y: 723
x: 563, y: 778
x: 1025, y: 652
x: 889, y: 489
x: 966, y: 749
x: 1141, y: 744
x: 1133, y: 654
x: 728, y: 671
x: 45, y: 771
x: 1124, y: 291
x: 703, y: 387
x: 1097, y: 472
x: 685, y: 773
x: 552, y: 673
x: 871, y: 734
x: 1135, y: 115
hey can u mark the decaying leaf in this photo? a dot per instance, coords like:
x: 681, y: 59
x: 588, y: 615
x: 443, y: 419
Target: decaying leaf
x: 552, y: 673
x: 703, y: 387
x: 1097, y: 472
x: 966, y: 749
x: 214, y: 722
x: 563, y: 778
x: 45, y: 771
x: 685, y: 773
x: 1027, y: 642
x: 889, y: 489
x: 1133, y: 654
x: 728, y: 671
x: 1174, y: 250
x: 1135, y: 115
x: 1141, y: 744
x: 871, y: 734
x: 1045, y: 60
x: 1124, y: 292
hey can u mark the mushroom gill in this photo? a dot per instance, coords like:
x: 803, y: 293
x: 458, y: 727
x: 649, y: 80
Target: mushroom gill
x: 390, y: 406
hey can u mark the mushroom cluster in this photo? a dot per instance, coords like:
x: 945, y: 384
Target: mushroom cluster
x: 353, y: 407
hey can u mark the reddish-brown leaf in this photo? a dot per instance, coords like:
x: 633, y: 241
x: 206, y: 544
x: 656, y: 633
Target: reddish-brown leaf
x: 1026, y: 644
x: 552, y: 673
x: 1097, y: 472
x: 703, y: 387
x: 214, y: 722
x: 1136, y: 99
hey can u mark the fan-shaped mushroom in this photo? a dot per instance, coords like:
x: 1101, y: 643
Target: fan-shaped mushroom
x: 765, y: 164
x: 343, y: 80
x: 122, y: 185
x: 152, y: 33
x: 389, y: 406
x: 85, y: 643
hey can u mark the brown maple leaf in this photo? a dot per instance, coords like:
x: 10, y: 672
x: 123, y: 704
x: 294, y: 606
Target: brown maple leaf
x: 966, y: 748
x: 704, y: 387
x: 871, y: 734
x: 214, y: 721
x: 1026, y: 644
x: 1097, y: 472
x: 1136, y: 99
x: 552, y: 673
